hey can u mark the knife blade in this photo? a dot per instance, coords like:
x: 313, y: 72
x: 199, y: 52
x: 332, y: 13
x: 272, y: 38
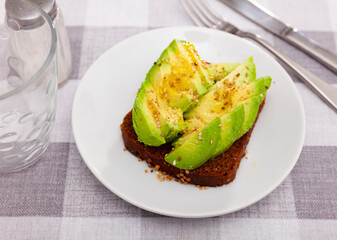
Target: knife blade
x: 266, y: 19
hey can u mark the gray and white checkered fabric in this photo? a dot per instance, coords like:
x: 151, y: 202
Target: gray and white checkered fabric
x: 59, y: 198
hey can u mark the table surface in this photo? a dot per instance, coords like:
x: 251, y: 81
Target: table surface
x: 59, y: 198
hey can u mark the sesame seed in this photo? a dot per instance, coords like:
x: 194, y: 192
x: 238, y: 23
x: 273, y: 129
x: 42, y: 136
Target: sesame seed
x: 211, y: 141
x: 174, y: 162
x: 255, y: 164
x: 261, y: 95
x: 199, y: 138
x: 220, y: 125
x: 124, y: 149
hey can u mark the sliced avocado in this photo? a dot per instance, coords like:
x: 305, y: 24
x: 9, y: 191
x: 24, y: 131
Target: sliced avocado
x: 217, y: 71
x: 252, y: 96
x: 257, y: 87
x: 251, y: 107
x: 219, y: 99
x: 231, y: 124
x: 172, y: 85
x: 239, y: 88
x: 197, y: 147
x: 183, y: 75
x: 244, y: 73
x: 144, y: 123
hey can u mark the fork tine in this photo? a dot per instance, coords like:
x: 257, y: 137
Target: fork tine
x: 196, y: 14
x: 210, y: 13
x: 195, y: 7
x: 190, y: 12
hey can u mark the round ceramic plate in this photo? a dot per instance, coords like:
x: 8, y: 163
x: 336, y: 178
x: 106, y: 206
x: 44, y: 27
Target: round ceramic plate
x: 108, y: 90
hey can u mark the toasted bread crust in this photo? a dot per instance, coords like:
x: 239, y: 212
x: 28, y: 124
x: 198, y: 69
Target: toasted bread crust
x: 216, y: 172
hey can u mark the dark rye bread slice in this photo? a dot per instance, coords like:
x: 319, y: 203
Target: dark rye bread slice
x: 217, y: 172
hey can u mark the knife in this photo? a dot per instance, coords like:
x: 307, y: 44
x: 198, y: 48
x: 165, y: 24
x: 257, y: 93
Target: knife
x: 263, y: 17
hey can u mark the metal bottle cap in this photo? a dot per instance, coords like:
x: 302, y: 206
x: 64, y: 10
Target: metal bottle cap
x: 22, y: 17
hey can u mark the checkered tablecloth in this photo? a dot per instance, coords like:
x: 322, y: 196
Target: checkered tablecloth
x: 59, y: 198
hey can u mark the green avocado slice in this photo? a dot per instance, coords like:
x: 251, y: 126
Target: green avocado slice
x: 219, y: 99
x: 197, y: 147
x: 234, y: 99
x: 218, y: 71
x: 144, y: 122
x: 231, y: 124
x: 172, y: 85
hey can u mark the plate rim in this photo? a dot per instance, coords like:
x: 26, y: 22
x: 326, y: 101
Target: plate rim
x: 170, y: 213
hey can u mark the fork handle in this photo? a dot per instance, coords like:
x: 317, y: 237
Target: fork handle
x: 327, y: 92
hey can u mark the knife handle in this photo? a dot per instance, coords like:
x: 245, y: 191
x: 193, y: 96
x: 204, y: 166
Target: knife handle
x: 327, y: 92
x: 311, y: 48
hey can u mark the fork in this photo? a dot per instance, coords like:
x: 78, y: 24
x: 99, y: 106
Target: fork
x: 204, y: 16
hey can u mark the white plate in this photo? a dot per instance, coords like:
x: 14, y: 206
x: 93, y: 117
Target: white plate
x: 108, y: 90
